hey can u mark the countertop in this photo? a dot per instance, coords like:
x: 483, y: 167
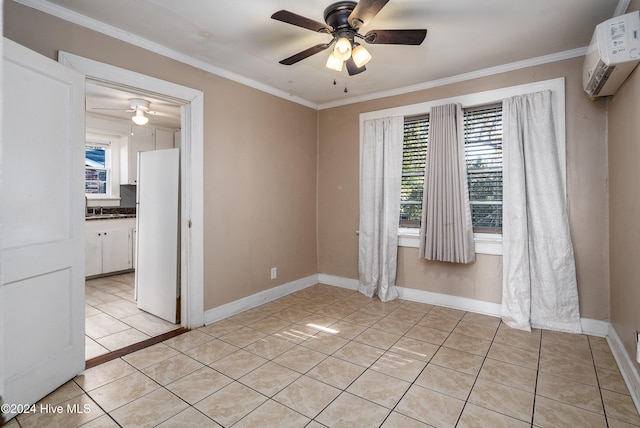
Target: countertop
x: 108, y: 216
x: 109, y: 213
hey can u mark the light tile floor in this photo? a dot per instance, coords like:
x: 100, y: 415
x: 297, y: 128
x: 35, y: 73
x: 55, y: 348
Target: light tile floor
x: 112, y: 319
x: 326, y: 356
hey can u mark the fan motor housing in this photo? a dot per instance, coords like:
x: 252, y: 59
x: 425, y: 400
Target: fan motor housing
x: 337, y: 14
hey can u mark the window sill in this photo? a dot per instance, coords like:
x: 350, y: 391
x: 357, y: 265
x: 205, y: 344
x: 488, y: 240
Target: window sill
x: 94, y: 197
x: 485, y: 243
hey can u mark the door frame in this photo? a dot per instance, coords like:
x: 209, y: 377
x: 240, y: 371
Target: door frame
x: 191, y: 172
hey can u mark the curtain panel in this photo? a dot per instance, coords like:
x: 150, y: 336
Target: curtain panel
x: 380, y: 176
x: 446, y: 232
x: 539, y: 277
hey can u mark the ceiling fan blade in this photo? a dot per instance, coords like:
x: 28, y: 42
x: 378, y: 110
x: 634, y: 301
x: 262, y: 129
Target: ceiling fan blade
x: 395, y: 37
x: 113, y: 109
x: 300, y: 21
x: 305, y: 54
x: 352, y: 68
x: 158, y: 113
x: 364, y: 12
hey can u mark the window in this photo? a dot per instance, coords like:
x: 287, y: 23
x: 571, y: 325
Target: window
x: 483, y: 152
x: 485, y: 199
x: 97, y: 171
x: 414, y: 158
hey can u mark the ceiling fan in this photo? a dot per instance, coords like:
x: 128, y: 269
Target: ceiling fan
x: 343, y: 20
x: 138, y: 106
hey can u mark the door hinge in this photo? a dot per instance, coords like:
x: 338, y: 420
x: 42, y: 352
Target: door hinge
x: 189, y: 224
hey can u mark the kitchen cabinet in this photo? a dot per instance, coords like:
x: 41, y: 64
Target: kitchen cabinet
x: 108, y: 245
x: 163, y: 139
x: 143, y: 139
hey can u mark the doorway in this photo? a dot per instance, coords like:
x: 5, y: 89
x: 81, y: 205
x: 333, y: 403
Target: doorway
x: 191, y: 166
x: 113, y: 318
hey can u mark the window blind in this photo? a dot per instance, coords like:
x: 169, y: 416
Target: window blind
x: 483, y: 151
x: 414, y: 156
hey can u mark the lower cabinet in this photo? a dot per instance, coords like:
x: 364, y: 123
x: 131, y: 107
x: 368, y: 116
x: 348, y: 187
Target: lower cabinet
x: 108, y: 246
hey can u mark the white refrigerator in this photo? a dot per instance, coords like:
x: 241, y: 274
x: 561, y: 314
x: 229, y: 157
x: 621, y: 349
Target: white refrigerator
x: 157, y: 233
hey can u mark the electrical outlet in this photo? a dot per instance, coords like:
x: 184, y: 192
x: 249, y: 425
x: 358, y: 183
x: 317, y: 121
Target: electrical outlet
x: 274, y: 273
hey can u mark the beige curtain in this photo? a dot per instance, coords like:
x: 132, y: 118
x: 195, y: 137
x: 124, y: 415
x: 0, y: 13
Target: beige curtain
x: 539, y: 276
x: 380, y: 177
x: 446, y: 233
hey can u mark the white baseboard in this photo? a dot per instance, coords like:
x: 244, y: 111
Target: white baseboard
x: 224, y: 311
x: 338, y: 281
x: 595, y: 327
x: 448, y: 301
x: 626, y: 365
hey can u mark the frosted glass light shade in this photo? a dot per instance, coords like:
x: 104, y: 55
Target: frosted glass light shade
x: 334, y: 63
x: 361, y: 56
x: 140, y: 118
x: 342, y: 49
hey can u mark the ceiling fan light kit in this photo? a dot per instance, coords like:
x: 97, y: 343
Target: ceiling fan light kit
x: 361, y: 55
x: 343, y: 20
x: 139, y: 118
x: 334, y: 63
x: 342, y: 49
x: 139, y: 106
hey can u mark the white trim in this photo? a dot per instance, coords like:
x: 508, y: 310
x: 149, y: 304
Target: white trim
x: 471, y: 100
x: 338, y: 281
x: 589, y: 326
x: 626, y: 365
x: 594, y: 327
x: 192, y: 209
x: 448, y: 301
x: 224, y: 311
x: 485, y: 243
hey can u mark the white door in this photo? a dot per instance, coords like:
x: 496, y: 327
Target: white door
x: 157, y: 232
x: 42, y: 209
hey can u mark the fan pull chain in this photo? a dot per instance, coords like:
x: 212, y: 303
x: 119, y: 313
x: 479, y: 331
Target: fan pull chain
x: 346, y: 90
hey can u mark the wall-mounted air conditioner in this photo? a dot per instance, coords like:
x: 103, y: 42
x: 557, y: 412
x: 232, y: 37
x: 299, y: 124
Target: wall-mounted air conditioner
x: 612, y: 55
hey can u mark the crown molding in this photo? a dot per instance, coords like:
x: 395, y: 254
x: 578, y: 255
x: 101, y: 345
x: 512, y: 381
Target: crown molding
x: 462, y: 77
x: 117, y: 33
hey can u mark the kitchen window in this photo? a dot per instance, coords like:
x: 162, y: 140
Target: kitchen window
x: 97, y: 169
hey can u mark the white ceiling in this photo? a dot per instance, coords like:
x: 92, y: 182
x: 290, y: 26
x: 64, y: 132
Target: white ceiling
x: 115, y: 102
x: 237, y: 39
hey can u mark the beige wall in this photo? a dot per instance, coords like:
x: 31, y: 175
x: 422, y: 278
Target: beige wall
x: 259, y: 161
x: 264, y: 157
x: 624, y: 208
x: 586, y: 186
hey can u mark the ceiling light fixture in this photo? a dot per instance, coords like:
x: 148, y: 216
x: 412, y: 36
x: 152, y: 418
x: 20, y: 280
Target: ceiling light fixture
x: 139, y: 118
x: 344, y: 50
x: 334, y: 63
x: 139, y: 106
x: 343, y: 21
x: 361, y: 56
